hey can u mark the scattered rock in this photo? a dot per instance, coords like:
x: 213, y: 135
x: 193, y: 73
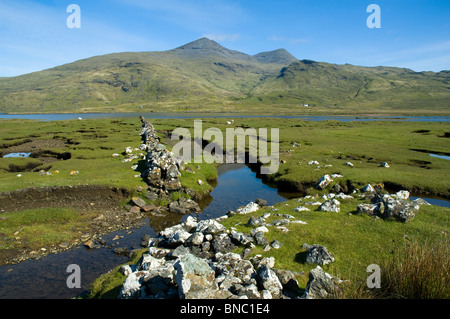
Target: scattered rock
x: 332, y: 205
x: 260, y: 239
x: 349, y: 164
x: 249, y: 208
x: 193, y: 275
x: 268, y: 280
x: 402, y: 194
x: 368, y: 209
x: 276, y: 244
x: 89, y: 244
x: 318, y: 254
x: 137, y: 201
x: 320, y: 285
x: 367, y: 189
x: 324, y: 181
x: 135, y: 209
x: 261, y: 202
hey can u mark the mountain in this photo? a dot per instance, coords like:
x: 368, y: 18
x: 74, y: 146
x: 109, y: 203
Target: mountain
x: 349, y: 86
x: 205, y: 47
x: 280, y: 56
x: 205, y: 76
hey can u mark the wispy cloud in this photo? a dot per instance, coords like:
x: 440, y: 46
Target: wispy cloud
x: 199, y: 16
x: 431, y: 57
x: 35, y: 37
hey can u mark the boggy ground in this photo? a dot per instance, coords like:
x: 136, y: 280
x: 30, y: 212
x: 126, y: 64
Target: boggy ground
x: 75, y: 186
x: 91, y: 144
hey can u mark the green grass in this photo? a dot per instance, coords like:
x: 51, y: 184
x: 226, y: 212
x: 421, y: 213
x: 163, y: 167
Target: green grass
x: 91, y: 144
x: 365, y: 144
x: 355, y: 240
x: 108, y: 286
x: 38, y: 228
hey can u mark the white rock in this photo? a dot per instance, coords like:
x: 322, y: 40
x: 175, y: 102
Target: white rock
x: 148, y: 262
x: 343, y: 196
x: 368, y: 189
x: 249, y: 208
x: 299, y: 222
x: 324, y: 181
x: 265, y: 294
x: 349, y: 164
x: 131, y: 288
x: 313, y: 203
x: 301, y: 209
x: 190, y: 223
x: 402, y: 194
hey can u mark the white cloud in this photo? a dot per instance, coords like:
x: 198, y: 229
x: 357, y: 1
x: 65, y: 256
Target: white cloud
x: 431, y: 57
x: 196, y: 16
x: 36, y: 37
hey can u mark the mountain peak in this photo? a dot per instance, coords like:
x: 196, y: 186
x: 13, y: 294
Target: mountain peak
x: 206, y: 47
x: 280, y: 56
x: 201, y: 44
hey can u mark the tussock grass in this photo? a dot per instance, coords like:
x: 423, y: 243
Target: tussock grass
x: 417, y: 271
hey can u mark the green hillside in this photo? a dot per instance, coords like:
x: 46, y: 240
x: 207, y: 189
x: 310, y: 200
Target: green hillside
x: 324, y: 84
x: 205, y: 76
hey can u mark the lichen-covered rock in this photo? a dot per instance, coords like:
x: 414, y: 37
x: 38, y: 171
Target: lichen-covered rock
x: 332, y: 205
x: 162, y: 167
x: 320, y: 285
x: 209, y: 226
x: 324, y: 181
x: 192, y: 276
x: 367, y: 209
x: 268, y: 280
x: 318, y: 254
x: 247, y: 209
x: 399, y: 209
x: 131, y: 288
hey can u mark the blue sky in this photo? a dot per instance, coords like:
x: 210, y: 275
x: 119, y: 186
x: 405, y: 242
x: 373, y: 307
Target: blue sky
x: 413, y: 34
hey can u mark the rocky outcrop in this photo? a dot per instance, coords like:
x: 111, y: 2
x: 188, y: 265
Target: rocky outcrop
x: 163, y: 169
x: 194, y: 260
x: 324, y: 181
x: 318, y: 254
x: 332, y: 205
x: 395, y: 206
x: 320, y: 285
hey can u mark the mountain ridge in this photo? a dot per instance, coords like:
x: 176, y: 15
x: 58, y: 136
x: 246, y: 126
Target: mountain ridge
x: 203, y: 75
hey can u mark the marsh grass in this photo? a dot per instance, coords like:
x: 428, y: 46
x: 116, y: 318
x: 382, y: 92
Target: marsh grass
x: 418, y: 271
x: 37, y: 228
